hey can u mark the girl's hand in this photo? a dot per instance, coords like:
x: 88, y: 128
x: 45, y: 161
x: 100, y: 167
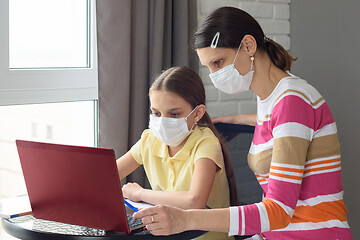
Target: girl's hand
x: 132, y: 191
x: 164, y: 220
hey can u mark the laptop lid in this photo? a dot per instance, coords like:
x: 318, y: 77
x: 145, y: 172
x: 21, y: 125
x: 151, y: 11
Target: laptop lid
x: 73, y: 184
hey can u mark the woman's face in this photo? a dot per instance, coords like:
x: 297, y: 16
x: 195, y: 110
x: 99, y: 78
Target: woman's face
x: 171, y: 105
x: 216, y: 59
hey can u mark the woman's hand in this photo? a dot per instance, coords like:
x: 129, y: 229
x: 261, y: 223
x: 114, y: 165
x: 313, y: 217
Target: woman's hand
x: 164, y: 220
x: 132, y: 191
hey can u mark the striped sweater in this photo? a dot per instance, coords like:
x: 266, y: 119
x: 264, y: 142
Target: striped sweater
x: 295, y: 155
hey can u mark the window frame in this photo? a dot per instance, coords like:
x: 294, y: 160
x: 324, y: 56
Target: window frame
x: 27, y: 86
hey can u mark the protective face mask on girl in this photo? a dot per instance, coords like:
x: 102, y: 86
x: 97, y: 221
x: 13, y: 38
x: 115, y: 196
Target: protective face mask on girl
x: 170, y: 131
x: 229, y: 80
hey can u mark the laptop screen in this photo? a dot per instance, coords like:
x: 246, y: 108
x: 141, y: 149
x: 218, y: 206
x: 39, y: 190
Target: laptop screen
x: 73, y: 184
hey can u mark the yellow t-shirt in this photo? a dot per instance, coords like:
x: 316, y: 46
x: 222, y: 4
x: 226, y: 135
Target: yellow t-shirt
x: 167, y: 173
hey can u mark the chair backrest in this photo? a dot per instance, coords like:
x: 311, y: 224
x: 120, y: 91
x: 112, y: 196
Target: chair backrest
x: 239, y: 139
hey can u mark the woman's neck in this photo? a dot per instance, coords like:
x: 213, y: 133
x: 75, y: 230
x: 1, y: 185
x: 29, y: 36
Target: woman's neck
x: 266, y: 78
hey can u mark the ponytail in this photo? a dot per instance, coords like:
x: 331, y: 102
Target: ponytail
x: 278, y: 55
x: 206, y: 122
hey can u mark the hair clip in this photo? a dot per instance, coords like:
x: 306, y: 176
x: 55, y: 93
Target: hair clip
x: 215, y: 40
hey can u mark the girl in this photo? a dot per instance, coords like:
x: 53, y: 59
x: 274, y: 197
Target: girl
x: 182, y: 153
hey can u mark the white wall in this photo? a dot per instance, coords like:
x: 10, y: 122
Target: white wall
x: 326, y: 43
x: 274, y: 18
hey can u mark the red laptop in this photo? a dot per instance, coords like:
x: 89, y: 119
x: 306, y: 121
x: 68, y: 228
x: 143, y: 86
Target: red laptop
x: 72, y: 184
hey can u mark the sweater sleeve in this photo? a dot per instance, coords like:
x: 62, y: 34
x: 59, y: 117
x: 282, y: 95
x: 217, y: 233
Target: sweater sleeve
x: 291, y: 127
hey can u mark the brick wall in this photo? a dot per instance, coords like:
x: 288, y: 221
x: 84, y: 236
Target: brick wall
x: 273, y: 16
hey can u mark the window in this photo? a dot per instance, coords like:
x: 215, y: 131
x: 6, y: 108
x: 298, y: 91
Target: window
x: 55, y: 40
x: 48, y: 51
x: 48, y: 80
x: 67, y: 123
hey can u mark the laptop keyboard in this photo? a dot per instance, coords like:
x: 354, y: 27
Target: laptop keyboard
x: 31, y: 223
x: 133, y: 223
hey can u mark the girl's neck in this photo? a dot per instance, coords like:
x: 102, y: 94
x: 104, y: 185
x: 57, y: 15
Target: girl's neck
x: 173, y: 150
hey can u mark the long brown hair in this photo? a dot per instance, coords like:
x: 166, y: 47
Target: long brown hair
x: 233, y: 24
x: 186, y: 83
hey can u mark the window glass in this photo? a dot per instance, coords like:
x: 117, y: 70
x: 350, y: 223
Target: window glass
x: 48, y: 33
x: 67, y: 123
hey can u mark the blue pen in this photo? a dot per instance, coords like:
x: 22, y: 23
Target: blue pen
x: 131, y: 206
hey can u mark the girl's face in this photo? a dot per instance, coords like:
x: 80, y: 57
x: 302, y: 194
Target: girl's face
x: 170, y: 105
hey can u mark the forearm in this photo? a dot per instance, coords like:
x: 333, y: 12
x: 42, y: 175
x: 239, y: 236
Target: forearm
x: 126, y: 165
x: 181, y: 199
x: 208, y: 220
x: 247, y: 119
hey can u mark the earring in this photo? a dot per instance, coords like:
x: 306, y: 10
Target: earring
x: 252, y: 58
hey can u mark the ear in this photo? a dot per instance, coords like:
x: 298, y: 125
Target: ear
x: 199, y: 112
x: 250, y: 44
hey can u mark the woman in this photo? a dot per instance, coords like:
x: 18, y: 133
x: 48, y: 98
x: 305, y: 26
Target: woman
x: 183, y: 155
x: 295, y: 152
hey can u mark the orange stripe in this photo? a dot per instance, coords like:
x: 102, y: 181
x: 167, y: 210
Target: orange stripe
x: 323, y: 162
x: 261, y: 180
x: 285, y: 176
x: 321, y: 212
x: 258, y: 176
x: 287, y: 169
x: 278, y: 218
x: 322, y: 168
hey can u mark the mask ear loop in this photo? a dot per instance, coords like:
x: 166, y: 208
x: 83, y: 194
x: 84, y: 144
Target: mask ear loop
x: 195, y: 123
x: 237, y: 52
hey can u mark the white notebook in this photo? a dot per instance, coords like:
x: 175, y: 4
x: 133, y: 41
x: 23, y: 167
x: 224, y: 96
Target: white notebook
x: 15, y: 207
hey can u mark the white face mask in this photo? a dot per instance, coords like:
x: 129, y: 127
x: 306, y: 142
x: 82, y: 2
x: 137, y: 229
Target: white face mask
x: 229, y: 80
x: 170, y: 131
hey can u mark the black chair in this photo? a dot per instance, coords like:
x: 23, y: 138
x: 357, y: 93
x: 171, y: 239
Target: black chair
x: 239, y: 139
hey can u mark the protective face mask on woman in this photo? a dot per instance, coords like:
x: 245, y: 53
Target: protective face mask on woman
x: 170, y: 131
x: 229, y: 80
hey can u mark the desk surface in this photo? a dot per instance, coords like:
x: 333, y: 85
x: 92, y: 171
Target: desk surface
x: 28, y: 228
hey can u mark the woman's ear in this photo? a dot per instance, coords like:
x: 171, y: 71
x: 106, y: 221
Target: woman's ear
x: 199, y: 112
x: 250, y: 44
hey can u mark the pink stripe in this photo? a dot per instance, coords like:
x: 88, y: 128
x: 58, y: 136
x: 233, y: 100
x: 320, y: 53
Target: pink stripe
x: 324, y: 117
x: 265, y: 188
x: 318, y: 234
x: 252, y: 219
x: 294, y: 109
x: 321, y: 184
x: 284, y: 192
x: 240, y: 221
x: 262, y: 133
